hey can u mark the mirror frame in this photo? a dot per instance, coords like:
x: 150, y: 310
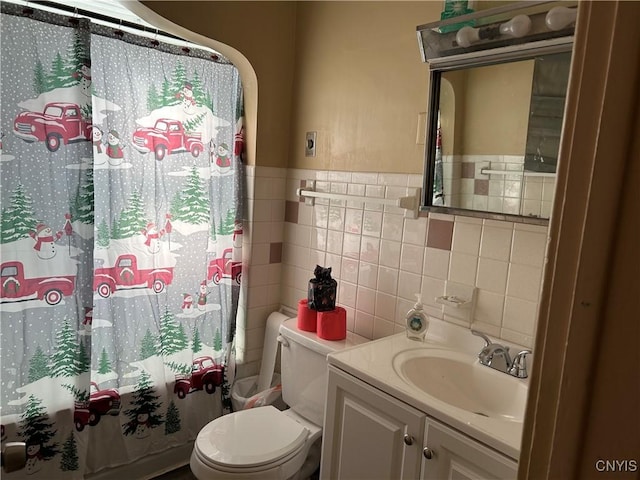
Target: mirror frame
x: 437, y: 67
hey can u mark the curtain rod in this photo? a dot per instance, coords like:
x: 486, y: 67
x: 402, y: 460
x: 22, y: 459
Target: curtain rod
x: 117, y: 22
x: 120, y: 26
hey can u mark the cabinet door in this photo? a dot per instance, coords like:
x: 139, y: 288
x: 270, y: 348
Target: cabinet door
x: 368, y: 434
x: 457, y: 457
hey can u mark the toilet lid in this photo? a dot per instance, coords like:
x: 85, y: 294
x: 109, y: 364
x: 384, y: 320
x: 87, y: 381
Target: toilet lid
x: 250, y: 438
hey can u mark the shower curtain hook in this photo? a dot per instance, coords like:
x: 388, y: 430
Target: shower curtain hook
x: 27, y: 10
x: 155, y: 41
x: 119, y: 31
x: 74, y: 20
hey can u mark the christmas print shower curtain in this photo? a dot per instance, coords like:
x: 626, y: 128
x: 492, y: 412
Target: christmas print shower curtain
x: 120, y: 242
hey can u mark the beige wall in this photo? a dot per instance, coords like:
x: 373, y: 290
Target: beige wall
x: 496, y: 111
x: 485, y: 111
x: 360, y: 83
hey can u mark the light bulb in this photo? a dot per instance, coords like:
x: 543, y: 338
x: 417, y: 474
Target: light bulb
x: 517, y: 27
x: 467, y: 36
x: 560, y: 17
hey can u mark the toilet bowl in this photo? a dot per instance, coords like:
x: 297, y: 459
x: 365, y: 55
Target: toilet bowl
x: 264, y: 442
x: 260, y: 443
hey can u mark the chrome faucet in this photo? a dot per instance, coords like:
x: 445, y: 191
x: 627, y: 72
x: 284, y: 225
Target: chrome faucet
x: 497, y: 356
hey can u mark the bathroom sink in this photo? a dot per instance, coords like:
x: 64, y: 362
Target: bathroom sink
x: 458, y: 379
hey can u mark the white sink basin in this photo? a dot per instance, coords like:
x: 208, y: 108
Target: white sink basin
x: 459, y: 380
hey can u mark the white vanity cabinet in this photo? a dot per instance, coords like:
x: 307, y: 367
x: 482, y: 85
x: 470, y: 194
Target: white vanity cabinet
x: 448, y: 453
x: 369, y: 434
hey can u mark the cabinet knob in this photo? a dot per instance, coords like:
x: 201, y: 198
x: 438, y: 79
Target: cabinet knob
x: 428, y: 453
x: 408, y: 439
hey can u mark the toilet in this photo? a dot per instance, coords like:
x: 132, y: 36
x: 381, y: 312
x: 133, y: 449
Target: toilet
x: 264, y: 442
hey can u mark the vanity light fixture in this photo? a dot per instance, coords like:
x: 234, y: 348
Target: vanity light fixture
x: 503, y: 31
x: 561, y: 17
x: 517, y: 27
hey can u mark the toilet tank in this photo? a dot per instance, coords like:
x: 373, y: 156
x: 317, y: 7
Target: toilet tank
x: 304, y: 368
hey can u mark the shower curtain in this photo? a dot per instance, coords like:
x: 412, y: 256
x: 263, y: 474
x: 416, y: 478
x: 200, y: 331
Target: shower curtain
x: 120, y: 241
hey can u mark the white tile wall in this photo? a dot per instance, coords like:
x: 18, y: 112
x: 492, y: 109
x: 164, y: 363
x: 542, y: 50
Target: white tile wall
x: 381, y: 259
x: 507, y: 194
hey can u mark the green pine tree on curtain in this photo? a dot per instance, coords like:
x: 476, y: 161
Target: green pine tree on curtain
x: 191, y: 205
x: 131, y: 220
x: 76, y: 55
x: 18, y: 218
x: 172, y: 336
x: 69, y: 460
x: 103, y: 235
x: 66, y: 361
x: 217, y: 341
x: 83, y: 359
x: 177, y: 82
x: 104, y: 363
x: 83, y: 203
x: 196, y: 343
x: 227, y: 225
x: 36, y: 429
x: 142, y: 414
x: 147, y: 345
x: 172, y: 425
x: 177, y: 206
x: 179, y: 368
x: 39, y: 78
x: 182, y: 340
x: 154, y: 99
x: 167, y: 96
x: 198, y: 91
x: 196, y: 199
x: 192, y: 124
x: 38, y: 365
x: 59, y: 76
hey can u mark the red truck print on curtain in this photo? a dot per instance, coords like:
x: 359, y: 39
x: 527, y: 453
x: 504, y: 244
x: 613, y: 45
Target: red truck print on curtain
x: 127, y: 273
x: 167, y: 137
x: 224, y: 267
x: 205, y: 374
x: 17, y: 284
x: 60, y: 123
x: 101, y: 402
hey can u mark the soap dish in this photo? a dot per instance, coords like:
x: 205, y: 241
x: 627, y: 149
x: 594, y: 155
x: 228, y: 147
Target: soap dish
x: 452, y: 301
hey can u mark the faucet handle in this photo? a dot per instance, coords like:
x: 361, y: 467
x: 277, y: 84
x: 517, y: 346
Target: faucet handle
x: 518, y: 367
x: 487, y: 340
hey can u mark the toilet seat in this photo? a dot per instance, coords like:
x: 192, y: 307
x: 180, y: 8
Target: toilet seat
x: 262, y: 438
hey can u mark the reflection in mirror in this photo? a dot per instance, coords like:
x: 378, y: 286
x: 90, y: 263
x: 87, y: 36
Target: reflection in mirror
x: 498, y: 134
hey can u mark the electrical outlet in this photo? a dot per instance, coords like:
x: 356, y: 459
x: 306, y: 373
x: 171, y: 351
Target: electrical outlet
x: 310, y: 144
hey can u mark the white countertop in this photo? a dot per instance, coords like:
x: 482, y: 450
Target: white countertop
x: 372, y: 362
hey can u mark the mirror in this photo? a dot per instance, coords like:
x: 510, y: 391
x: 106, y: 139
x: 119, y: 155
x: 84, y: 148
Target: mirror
x: 498, y: 135
x: 494, y: 127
